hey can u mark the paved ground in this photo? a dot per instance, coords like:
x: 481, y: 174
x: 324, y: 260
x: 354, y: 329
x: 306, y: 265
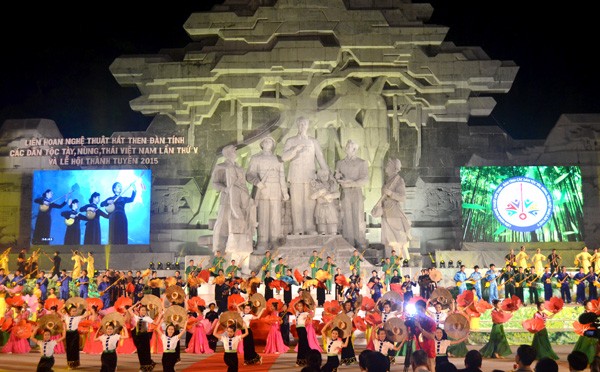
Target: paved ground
x: 205, y: 363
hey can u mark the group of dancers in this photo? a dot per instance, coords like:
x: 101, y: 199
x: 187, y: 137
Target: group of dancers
x: 90, y: 213
x: 157, y: 315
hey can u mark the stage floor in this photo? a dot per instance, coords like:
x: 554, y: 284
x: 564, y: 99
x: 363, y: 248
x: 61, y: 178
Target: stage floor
x: 272, y: 363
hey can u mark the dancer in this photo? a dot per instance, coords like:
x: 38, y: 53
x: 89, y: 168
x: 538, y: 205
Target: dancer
x: 275, y: 344
x: 348, y: 354
x: 302, y: 318
x: 315, y: 262
x: 541, y: 342
x: 230, y: 345
x: 441, y: 343
x: 71, y: 320
x: 334, y: 347
x: 170, y: 341
x: 537, y: 259
x: 46, y: 347
x: 198, y: 344
x: 109, y: 341
x: 497, y: 346
x: 250, y: 355
x: 43, y: 222
x: 77, y: 263
x: 118, y: 225
x: 15, y: 344
x: 142, y: 335
x: 92, y: 345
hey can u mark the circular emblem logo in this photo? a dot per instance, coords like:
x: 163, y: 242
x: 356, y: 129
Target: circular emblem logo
x: 522, y: 204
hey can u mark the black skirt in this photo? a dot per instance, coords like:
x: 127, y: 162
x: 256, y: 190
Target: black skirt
x: 142, y: 343
x: 332, y: 364
x: 72, y: 346
x: 45, y: 364
x: 303, y: 346
x: 168, y: 361
x: 231, y: 360
x: 109, y: 362
x: 250, y: 355
x: 348, y: 355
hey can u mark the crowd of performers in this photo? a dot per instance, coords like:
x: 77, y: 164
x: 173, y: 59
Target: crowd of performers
x: 116, y: 312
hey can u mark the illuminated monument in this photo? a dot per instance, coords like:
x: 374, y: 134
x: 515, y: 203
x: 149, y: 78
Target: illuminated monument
x: 372, y: 72
x: 375, y: 74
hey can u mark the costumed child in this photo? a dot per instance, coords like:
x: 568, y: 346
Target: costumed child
x: 230, y: 345
x: 46, y: 346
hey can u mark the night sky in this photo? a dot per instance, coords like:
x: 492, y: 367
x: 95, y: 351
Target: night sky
x: 56, y: 66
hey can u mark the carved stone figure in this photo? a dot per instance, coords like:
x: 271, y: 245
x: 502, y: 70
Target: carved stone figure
x: 266, y: 173
x: 236, y: 219
x: 352, y: 173
x: 325, y: 191
x: 395, y: 226
x: 302, y: 151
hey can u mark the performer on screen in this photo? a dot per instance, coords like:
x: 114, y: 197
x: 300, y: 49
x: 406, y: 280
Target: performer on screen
x: 92, y: 216
x: 118, y: 225
x: 41, y: 231
x: 72, y: 220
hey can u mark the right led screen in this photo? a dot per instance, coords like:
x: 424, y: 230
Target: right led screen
x: 522, y: 204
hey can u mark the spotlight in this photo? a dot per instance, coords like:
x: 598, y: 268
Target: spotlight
x: 159, y: 266
x: 169, y: 265
x: 450, y: 264
x: 442, y: 264
x: 459, y: 263
x: 177, y: 266
x: 151, y: 266
x: 405, y: 263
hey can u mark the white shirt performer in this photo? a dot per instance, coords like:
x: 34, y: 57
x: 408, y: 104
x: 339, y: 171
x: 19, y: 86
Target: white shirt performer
x: 302, y: 151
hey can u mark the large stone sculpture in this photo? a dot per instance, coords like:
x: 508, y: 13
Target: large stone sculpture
x: 395, y: 226
x: 302, y: 151
x: 236, y: 220
x: 352, y: 173
x: 325, y: 191
x: 266, y: 173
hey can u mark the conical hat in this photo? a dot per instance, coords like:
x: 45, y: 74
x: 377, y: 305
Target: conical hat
x: 435, y: 275
x: 257, y: 302
x: 441, y: 295
x: 231, y: 317
x: 175, y: 294
x: 395, y: 329
x: 308, y: 300
x: 394, y: 298
x: 76, y: 301
x: 153, y: 303
x: 176, y: 315
x: 52, y: 322
x: 456, y: 326
x: 117, y: 319
x: 343, y: 322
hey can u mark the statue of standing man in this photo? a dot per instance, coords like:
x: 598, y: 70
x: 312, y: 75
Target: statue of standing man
x: 236, y: 220
x: 302, y: 151
x: 395, y: 226
x: 352, y: 173
x: 266, y: 173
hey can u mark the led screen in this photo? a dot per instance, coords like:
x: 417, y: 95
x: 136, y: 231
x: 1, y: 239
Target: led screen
x: 522, y: 204
x: 91, y: 207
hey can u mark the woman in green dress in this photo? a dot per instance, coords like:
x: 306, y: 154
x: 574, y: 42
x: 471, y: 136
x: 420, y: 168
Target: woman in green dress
x: 587, y: 345
x: 541, y: 341
x: 497, y: 346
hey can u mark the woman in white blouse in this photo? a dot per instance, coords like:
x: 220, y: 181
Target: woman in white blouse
x: 250, y: 355
x: 230, y: 345
x: 47, y: 346
x: 170, y: 340
x: 334, y: 347
x: 109, y: 341
x: 142, y: 335
x: 71, y: 320
x: 302, y: 317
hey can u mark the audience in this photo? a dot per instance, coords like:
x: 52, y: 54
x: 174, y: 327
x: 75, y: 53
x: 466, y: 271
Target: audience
x: 526, y: 354
x: 419, y: 361
x: 363, y: 359
x: 472, y: 362
x: 578, y: 361
x: 313, y: 360
x: 446, y: 367
x: 546, y: 365
x: 372, y: 361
